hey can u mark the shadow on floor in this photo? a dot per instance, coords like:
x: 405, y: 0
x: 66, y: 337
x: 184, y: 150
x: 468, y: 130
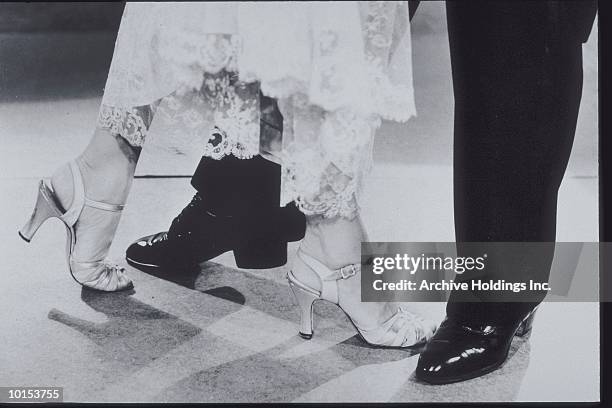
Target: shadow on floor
x: 286, y: 366
x: 264, y: 295
x: 251, y: 340
x: 134, y: 333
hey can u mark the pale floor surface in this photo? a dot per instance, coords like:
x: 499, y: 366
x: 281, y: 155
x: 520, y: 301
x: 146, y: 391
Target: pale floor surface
x: 231, y: 335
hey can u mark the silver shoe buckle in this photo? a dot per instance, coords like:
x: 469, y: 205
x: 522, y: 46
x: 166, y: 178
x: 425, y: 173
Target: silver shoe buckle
x: 352, y: 271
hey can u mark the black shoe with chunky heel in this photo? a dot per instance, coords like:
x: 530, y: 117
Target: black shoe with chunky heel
x: 235, y: 209
x: 197, y: 235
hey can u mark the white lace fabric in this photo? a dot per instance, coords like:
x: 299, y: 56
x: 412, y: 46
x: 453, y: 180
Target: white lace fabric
x: 131, y: 124
x: 336, y: 68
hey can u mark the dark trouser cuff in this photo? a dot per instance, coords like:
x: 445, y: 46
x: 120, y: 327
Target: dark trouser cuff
x: 232, y: 186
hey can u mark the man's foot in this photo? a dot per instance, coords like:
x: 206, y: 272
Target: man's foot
x: 158, y: 251
x: 259, y: 240
x: 460, y: 351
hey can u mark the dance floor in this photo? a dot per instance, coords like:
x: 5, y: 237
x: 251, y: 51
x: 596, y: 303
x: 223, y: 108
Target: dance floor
x: 223, y: 334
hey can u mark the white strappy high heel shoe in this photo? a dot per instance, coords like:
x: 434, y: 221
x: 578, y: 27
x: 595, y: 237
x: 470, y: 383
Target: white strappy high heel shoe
x: 93, y: 273
x: 402, y: 329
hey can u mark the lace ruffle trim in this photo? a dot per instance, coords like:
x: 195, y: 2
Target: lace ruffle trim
x: 128, y: 123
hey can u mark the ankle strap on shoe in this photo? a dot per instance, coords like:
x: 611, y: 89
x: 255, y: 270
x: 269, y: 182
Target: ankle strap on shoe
x: 79, y: 200
x: 327, y: 274
x: 329, y: 278
x: 345, y: 272
x: 103, y: 206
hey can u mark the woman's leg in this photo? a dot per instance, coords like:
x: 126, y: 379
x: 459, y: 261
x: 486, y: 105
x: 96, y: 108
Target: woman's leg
x: 336, y: 242
x: 107, y: 165
x: 334, y: 230
x: 91, y: 193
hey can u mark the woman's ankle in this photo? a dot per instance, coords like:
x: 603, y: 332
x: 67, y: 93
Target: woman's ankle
x: 108, y: 182
x: 334, y: 242
x: 105, y: 183
x: 107, y: 166
x: 63, y: 185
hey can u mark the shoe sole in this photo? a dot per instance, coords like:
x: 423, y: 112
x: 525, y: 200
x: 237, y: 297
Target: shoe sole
x: 136, y: 264
x: 240, y: 263
x: 145, y: 267
x: 139, y: 265
x: 466, y: 377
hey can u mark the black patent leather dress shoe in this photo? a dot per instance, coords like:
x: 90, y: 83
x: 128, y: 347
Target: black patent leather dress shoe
x: 197, y: 234
x: 158, y: 251
x: 459, y: 352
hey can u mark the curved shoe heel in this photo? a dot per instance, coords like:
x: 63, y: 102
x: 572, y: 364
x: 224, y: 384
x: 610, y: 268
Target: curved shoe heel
x: 305, y: 298
x: 44, y: 209
x: 261, y: 255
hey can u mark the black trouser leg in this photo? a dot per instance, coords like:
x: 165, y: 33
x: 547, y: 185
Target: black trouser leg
x: 517, y: 80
